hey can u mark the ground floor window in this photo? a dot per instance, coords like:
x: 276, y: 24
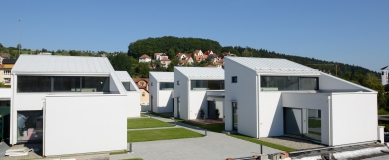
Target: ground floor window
x: 235, y: 116
x: 305, y: 123
x: 30, y: 125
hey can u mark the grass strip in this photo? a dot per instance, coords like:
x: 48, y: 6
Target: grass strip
x: 268, y: 144
x: 214, y: 128
x: 118, y: 152
x: 135, y: 123
x: 160, y: 134
x: 157, y: 114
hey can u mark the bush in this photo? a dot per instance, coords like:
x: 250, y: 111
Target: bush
x: 383, y: 112
x: 4, y: 86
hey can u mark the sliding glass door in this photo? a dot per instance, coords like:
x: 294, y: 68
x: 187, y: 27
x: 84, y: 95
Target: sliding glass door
x: 303, y: 123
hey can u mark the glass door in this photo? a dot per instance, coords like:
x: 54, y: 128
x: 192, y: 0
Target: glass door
x: 303, y: 123
x: 234, y: 116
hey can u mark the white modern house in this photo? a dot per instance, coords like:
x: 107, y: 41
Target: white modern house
x: 134, y: 107
x: 63, y: 101
x: 384, y: 76
x: 274, y: 97
x: 161, y: 91
x: 196, y: 89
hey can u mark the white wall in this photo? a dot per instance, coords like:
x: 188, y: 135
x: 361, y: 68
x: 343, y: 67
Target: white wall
x: 244, y: 93
x: 384, y: 77
x: 153, y: 92
x: 92, y: 123
x: 165, y: 101
x: 197, y: 101
x: 133, y: 108
x: 181, y: 91
x: 311, y: 101
x: 354, y: 117
x: 271, y: 114
x: 331, y: 83
x: 5, y: 93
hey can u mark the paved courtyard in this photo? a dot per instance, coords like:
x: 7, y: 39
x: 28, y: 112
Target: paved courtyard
x: 213, y: 146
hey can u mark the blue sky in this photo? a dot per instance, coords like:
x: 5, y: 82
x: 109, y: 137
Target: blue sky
x: 348, y: 31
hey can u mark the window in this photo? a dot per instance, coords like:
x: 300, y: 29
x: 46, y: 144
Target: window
x: 67, y: 84
x: 62, y: 84
x: 234, y: 79
x: 178, y: 82
x: 142, y: 83
x: 288, y: 83
x: 207, y: 85
x: 143, y: 94
x: 95, y: 84
x: 383, y: 73
x: 34, y: 84
x: 151, y: 84
x: 7, y: 80
x: 7, y: 72
x: 127, y: 85
x: 166, y: 85
x: 30, y: 126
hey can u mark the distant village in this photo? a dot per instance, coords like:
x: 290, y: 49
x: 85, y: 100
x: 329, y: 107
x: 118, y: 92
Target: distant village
x: 187, y: 59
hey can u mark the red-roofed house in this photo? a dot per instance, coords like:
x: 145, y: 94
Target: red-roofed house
x: 144, y: 58
x: 198, y: 53
x: 165, y: 62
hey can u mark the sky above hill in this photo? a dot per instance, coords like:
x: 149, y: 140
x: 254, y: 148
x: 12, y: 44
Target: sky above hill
x: 349, y: 31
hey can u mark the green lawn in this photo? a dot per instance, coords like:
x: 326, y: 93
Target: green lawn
x: 160, y: 134
x: 143, y: 115
x: 134, y: 123
x: 118, y: 152
x: 254, y: 140
x: 214, y: 128
x: 156, y: 114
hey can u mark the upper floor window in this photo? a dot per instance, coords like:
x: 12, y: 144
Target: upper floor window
x: 207, y: 85
x: 6, y: 72
x: 288, y: 83
x: 178, y: 82
x: 127, y: 86
x: 166, y: 86
x: 383, y: 73
x: 62, y: 84
x: 143, y: 94
x: 234, y: 79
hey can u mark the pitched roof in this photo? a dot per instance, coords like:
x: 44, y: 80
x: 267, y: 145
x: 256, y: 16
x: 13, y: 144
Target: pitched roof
x: 197, y: 51
x: 123, y: 76
x: 4, y: 55
x: 270, y: 65
x: 62, y: 64
x: 201, y: 72
x: 163, y: 76
x: 136, y: 80
x: 144, y: 56
x: 165, y: 59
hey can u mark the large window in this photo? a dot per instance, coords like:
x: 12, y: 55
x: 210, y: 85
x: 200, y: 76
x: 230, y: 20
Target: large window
x: 62, y: 84
x: 66, y: 84
x: 95, y: 84
x: 30, y: 125
x: 34, y: 84
x: 289, y: 83
x: 166, y: 86
x: 207, y: 85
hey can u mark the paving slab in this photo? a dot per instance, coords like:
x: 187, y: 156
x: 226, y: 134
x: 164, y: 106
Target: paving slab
x: 213, y: 146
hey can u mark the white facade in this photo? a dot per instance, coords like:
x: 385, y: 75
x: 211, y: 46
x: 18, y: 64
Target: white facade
x: 83, y: 115
x: 188, y: 102
x: 384, y: 76
x: 134, y: 108
x: 161, y: 95
x: 337, y: 104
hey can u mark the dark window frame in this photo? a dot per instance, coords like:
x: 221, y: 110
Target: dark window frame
x: 234, y: 79
x: 298, y: 82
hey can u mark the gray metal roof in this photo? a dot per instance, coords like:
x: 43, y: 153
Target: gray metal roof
x: 271, y: 65
x: 163, y: 76
x: 123, y: 76
x: 201, y: 72
x: 61, y: 64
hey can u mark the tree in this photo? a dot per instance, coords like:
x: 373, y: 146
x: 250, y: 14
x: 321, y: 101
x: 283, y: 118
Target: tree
x: 121, y: 62
x: 19, y: 46
x: 246, y: 53
x: 44, y: 50
x: 1, y: 45
x: 373, y: 82
x: 174, y: 62
x: 143, y: 70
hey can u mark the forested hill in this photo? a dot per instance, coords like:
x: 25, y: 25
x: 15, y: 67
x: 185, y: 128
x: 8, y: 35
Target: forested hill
x: 173, y: 45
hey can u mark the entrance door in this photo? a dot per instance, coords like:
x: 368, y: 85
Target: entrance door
x: 178, y: 107
x: 293, y: 121
x: 151, y: 103
x: 234, y: 116
x: 211, y: 110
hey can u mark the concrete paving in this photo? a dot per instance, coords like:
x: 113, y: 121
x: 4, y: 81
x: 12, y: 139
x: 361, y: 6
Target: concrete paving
x: 385, y: 157
x: 213, y: 146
